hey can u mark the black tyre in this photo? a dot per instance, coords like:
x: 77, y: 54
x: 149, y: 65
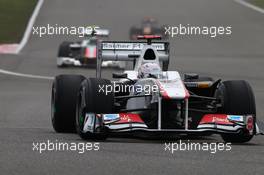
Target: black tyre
x: 237, y: 99
x: 63, y: 102
x: 96, y: 102
x: 64, y: 51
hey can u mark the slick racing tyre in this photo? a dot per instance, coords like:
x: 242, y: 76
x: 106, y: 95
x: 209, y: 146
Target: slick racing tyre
x: 238, y: 99
x: 63, y: 102
x: 94, y: 101
x: 64, y: 51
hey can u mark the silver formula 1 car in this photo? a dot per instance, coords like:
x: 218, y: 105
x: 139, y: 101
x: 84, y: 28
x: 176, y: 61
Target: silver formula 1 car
x: 150, y: 98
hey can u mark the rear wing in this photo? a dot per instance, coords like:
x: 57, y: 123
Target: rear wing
x: 129, y: 51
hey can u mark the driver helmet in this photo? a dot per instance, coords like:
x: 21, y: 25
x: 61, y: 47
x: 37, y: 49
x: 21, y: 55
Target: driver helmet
x: 149, y: 70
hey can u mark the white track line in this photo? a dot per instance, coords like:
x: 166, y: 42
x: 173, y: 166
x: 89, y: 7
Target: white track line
x: 23, y: 43
x: 29, y: 27
x: 249, y: 5
x: 25, y: 75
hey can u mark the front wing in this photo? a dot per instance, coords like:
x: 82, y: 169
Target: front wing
x: 210, y: 123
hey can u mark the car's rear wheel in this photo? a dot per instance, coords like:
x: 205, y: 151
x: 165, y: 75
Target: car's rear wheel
x: 92, y: 99
x: 63, y: 102
x: 238, y: 99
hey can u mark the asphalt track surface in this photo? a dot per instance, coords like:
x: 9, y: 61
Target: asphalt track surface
x: 25, y: 102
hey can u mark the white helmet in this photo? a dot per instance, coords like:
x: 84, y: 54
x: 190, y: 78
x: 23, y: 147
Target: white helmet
x: 149, y: 70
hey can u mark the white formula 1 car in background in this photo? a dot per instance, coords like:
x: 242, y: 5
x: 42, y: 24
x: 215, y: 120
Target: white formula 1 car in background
x: 84, y: 53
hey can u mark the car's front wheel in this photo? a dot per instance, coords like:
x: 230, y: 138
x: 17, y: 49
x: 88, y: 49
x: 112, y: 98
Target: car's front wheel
x: 237, y: 99
x: 63, y: 102
x: 93, y: 100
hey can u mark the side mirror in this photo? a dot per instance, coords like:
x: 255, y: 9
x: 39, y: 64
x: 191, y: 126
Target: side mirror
x: 119, y: 75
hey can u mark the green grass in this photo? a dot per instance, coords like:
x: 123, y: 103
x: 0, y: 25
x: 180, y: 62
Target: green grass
x: 14, y: 16
x: 259, y: 3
